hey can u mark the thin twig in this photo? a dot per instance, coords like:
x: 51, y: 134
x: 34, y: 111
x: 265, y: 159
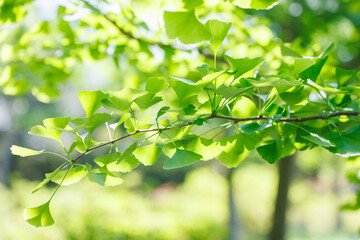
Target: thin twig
x: 235, y: 120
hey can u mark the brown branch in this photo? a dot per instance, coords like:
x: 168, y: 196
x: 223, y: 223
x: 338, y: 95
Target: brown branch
x: 235, y: 120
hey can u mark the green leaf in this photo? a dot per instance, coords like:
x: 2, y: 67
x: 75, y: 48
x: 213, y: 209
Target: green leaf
x: 220, y: 78
x: 93, y: 122
x: 229, y: 92
x: 313, y: 71
x: 218, y: 31
x: 243, y: 65
x: 301, y: 64
x: 182, y: 158
x: 186, y: 27
x: 184, y: 90
x: 155, y: 85
x: 344, y: 76
x: 233, y: 151
x: 184, y: 80
x: 272, y: 82
x: 129, y: 150
x: 271, y: 151
x: 48, y: 178
x: 107, y: 159
x: 347, y: 144
x: 147, y: 100
x: 91, y: 101
x: 113, y: 103
x: 256, y: 4
x: 74, y: 175
x: 125, y: 165
x: 285, y: 51
x: 51, y: 128
x: 39, y: 216
x: 191, y: 4
x: 24, y: 152
x: 315, y: 138
x: 293, y: 95
x: 255, y: 127
x: 205, y: 147
x: 103, y: 177
x: 147, y: 155
x: 162, y: 111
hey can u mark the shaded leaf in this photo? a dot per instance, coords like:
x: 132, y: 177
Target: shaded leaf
x: 315, y: 138
x: 301, y: 64
x: 271, y: 151
x: 182, y: 158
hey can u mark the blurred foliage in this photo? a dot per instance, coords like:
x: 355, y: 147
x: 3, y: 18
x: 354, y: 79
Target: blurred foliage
x: 185, y: 211
x: 51, y: 49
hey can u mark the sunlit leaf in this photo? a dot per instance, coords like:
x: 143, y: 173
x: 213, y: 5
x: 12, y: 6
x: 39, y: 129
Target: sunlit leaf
x: 256, y: 4
x: 218, y: 31
x: 91, y: 101
x: 39, y: 216
x: 51, y: 128
x: 24, y: 152
x: 93, y: 122
x: 48, y: 178
x: 125, y: 165
x: 185, y: 26
x: 147, y: 100
x: 191, y: 4
x: 73, y: 176
x: 155, y: 85
x: 243, y: 65
x: 147, y: 155
x: 233, y: 151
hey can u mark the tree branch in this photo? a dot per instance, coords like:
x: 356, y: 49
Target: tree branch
x: 235, y: 120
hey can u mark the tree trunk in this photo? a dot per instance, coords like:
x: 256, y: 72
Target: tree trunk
x: 234, y: 224
x: 285, y: 166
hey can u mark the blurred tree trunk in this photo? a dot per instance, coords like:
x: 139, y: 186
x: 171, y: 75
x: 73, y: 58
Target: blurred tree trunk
x: 5, y: 158
x: 285, y: 166
x: 234, y: 224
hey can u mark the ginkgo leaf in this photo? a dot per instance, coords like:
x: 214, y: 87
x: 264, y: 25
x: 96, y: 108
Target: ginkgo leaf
x: 51, y: 129
x: 91, y: 101
x: 218, y: 31
x: 39, y: 216
x: 24, y: 152
x: 73, y: 176
x: 256, y: 4
x: 182, y: 158
x: 186, y: 27
x: 147, y: 155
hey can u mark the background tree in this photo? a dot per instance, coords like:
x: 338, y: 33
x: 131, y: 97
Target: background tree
x: 133, y: 53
